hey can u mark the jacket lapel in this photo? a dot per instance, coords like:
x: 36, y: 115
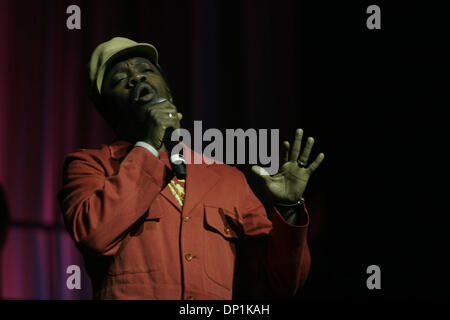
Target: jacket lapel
x: 199, y: 181
x: 167, y: 193
x: 199, y: 178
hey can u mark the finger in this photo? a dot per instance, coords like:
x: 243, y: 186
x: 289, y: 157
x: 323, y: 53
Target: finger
x: 166, y: 105
x: 163, y: 104
x: 316, y: 162
x: 261, y: 172
x: 307, y: 150
x: 171, y: 105
x: 164, y: 115
x: 164, y: 110
x: 296, y: 146
x: 284, y: 153
x: 156, y: 113
x: 167, y: 122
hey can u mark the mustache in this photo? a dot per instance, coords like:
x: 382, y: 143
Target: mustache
x: 141, y: 89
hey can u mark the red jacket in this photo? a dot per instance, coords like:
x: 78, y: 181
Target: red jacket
x: 138, y: 243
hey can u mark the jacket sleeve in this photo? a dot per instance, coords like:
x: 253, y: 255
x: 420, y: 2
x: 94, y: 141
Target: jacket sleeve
x: 98, y: 210
x: 276, y: 252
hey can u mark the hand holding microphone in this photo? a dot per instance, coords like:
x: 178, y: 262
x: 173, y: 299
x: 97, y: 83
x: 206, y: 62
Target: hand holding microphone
x: 164, y: 119
x: 161, y: 116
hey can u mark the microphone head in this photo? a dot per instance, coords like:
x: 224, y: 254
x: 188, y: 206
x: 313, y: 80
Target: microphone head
x: 158, y: 100
x: 177, y: 159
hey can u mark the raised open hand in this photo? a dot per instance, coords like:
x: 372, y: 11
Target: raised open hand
x: 290, y: 182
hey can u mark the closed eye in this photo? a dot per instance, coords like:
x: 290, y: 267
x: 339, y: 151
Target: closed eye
x: 119, y: 77
x: 116, y: 82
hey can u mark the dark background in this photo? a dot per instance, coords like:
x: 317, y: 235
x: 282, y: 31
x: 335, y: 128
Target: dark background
x: 373, y: 100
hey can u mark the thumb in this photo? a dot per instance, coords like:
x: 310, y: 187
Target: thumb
x: 261, y: 172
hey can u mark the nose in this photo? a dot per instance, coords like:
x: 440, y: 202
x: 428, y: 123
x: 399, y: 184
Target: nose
x: 135, y: 78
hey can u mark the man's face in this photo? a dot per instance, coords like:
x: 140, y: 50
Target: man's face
x: 130, y: 87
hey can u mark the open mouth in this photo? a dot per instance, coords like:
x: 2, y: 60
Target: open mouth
x: 142, y: 93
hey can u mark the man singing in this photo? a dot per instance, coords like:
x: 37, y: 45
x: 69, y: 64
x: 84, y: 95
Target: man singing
x: 146, y: 233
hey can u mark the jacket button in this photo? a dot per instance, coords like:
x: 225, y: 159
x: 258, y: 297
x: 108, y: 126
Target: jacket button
x: 227, y: 230
x: 190, y: 298
x: 188, y: 256
x: 186, y: 219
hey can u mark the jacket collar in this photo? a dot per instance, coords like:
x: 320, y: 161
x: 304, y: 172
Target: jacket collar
x: 120, y: 148
x: 197, y: 179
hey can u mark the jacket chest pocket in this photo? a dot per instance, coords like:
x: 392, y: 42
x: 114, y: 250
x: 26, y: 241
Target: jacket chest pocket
x: 220, y: 236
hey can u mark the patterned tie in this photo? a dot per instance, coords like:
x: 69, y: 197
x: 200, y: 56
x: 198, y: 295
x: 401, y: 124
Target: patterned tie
x: 176, y: 186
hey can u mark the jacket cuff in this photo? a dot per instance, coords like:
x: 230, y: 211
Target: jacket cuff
x: 151, y: 165
x: 301, y: 212
x: 289, y: 233
x: 147, y: 146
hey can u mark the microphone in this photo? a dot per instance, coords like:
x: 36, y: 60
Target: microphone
x: 176, y: 160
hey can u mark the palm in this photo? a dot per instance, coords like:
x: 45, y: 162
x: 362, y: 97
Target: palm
x: 289, y: 183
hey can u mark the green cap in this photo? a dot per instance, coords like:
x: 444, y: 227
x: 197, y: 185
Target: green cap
x: 110, y: 51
